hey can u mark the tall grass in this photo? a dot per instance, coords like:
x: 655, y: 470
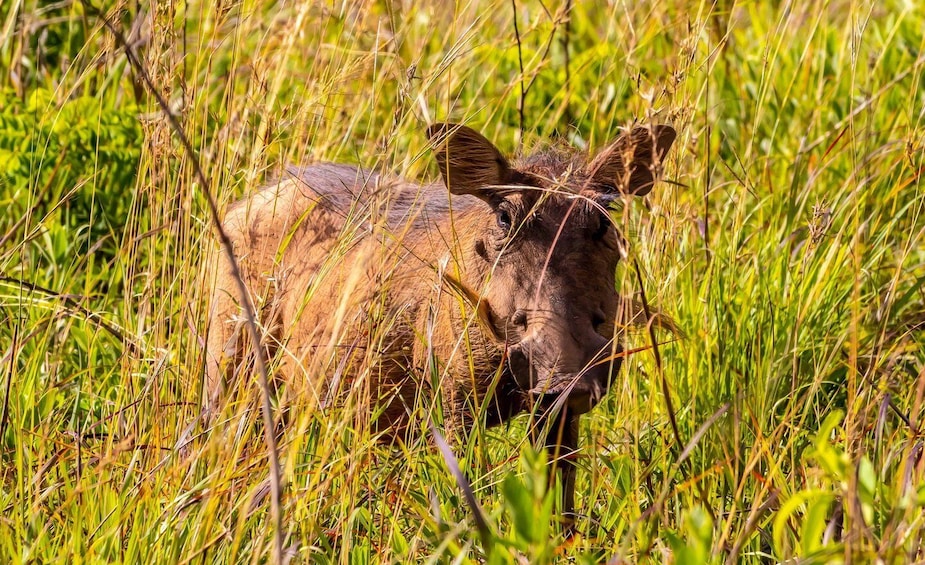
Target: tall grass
x: 790, y: 249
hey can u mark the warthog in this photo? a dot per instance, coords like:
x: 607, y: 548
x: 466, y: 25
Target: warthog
x: 494, y: 294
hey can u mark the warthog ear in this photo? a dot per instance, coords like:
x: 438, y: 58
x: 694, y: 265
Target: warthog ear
x: 630, y: 164
x: 469, y: 163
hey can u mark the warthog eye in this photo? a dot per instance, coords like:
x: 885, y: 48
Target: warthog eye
x: 504, y: 220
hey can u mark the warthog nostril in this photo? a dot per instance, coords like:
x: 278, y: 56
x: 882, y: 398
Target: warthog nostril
x: 598, y: 319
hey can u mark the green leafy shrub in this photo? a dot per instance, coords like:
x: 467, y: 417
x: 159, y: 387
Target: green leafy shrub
x: 71, y: 163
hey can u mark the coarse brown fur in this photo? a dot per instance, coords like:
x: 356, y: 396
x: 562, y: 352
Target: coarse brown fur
x: 499, y: 292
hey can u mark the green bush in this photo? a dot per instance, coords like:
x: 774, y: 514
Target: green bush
x: 70, y: 163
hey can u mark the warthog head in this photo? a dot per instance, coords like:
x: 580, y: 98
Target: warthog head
x: 551, y: 249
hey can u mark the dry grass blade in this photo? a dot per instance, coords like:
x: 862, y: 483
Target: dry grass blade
x: 453, y: 464
x: 695, y: 439
x: 249, y: 313
x: 666, y: 390
x: 74, y: 305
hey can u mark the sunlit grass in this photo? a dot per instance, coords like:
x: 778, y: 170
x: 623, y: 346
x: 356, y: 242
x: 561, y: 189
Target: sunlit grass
x: 788, y: 248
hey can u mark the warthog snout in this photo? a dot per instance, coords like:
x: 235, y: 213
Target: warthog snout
x: 571, y: 365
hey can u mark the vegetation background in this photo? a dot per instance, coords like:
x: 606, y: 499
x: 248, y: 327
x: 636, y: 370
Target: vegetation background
x: 791, y: 251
